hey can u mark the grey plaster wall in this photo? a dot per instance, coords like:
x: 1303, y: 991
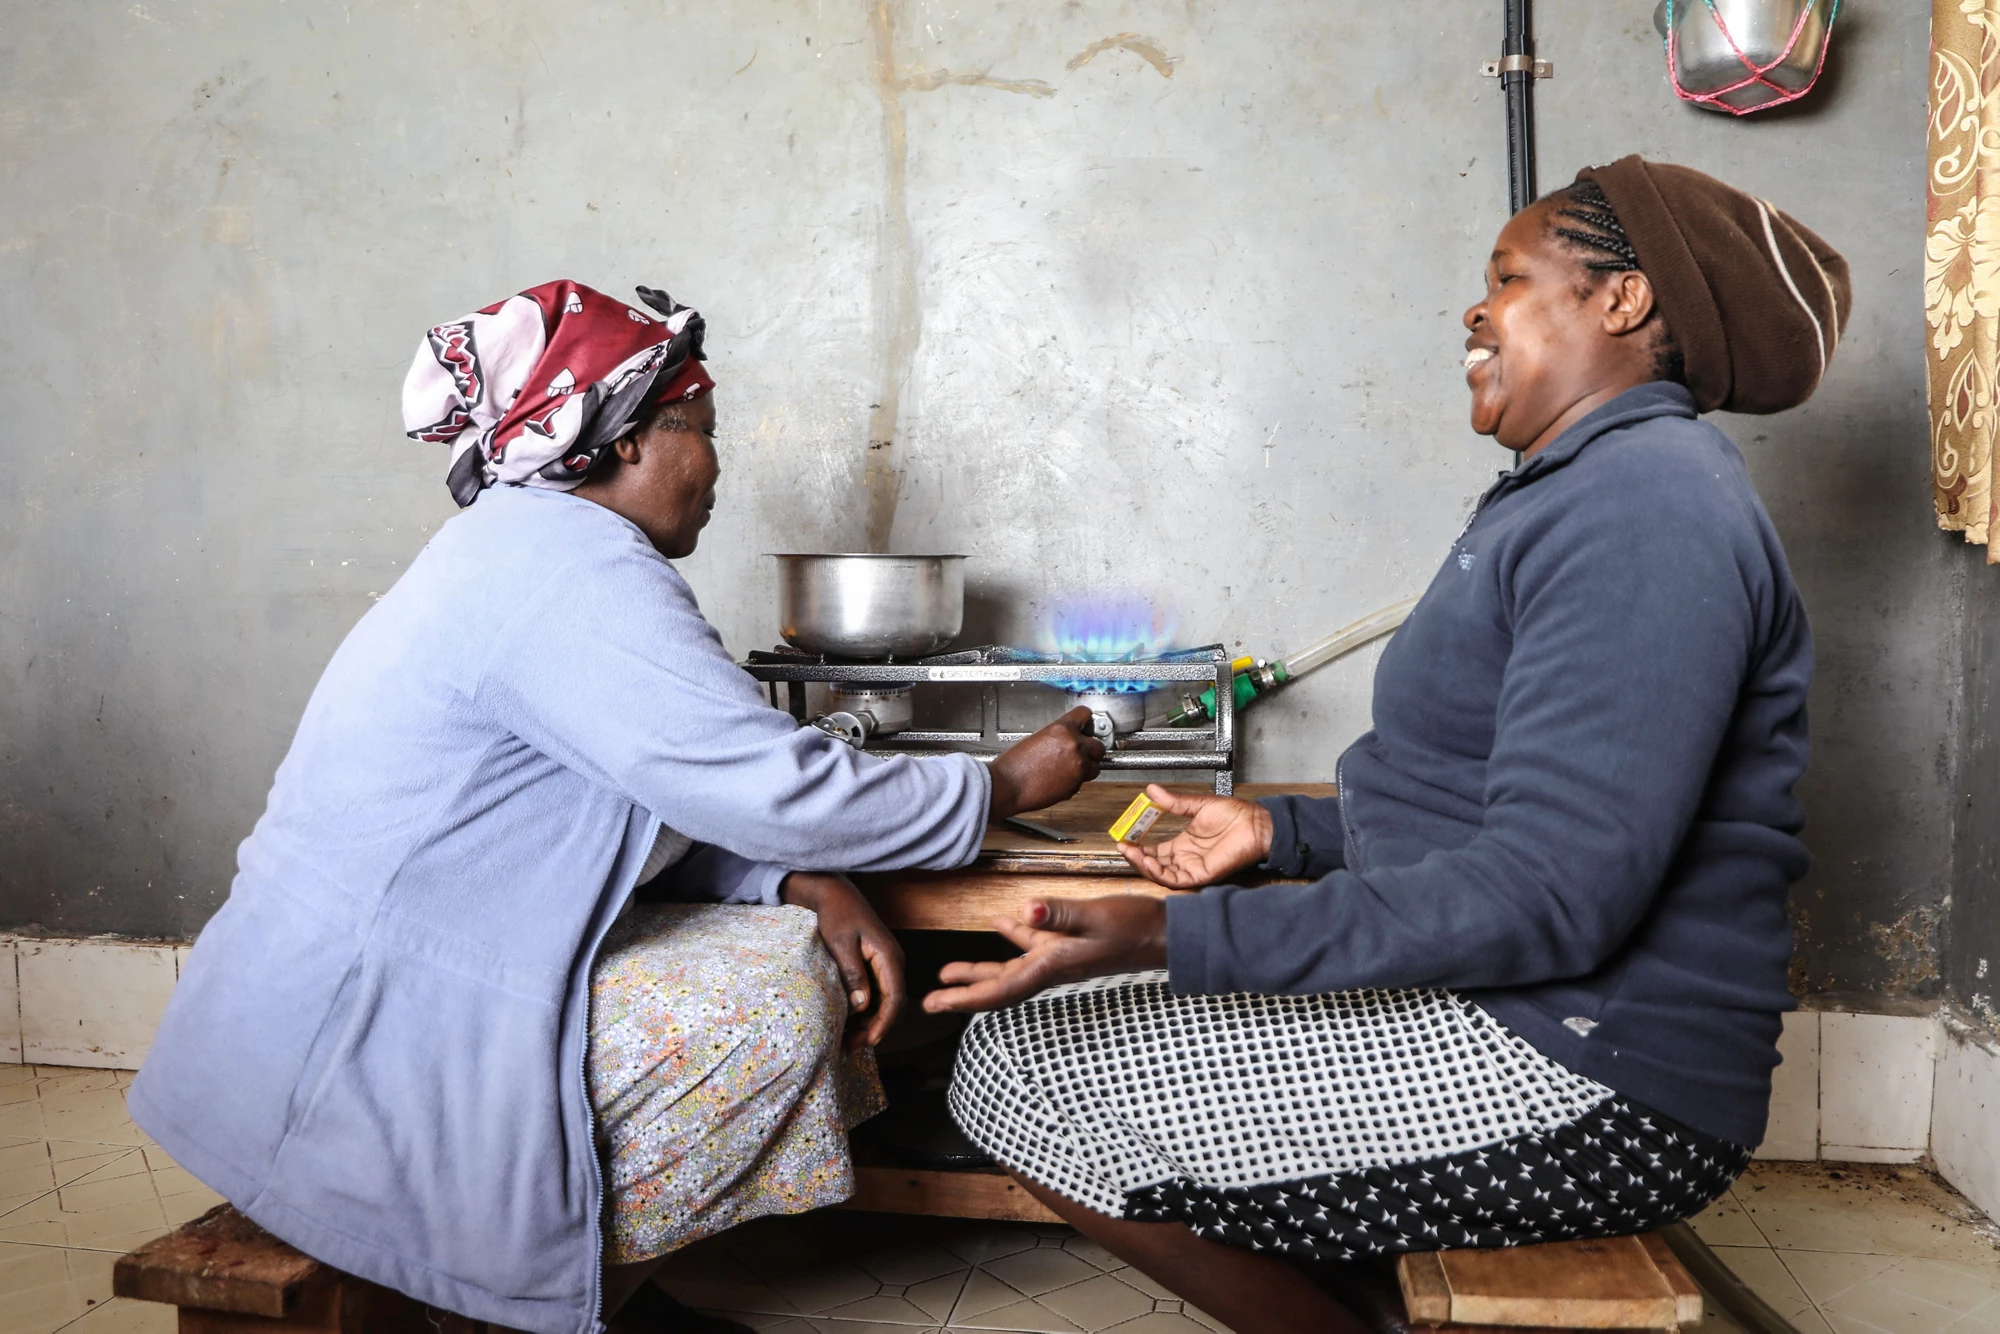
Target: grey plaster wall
x: 1972, y: 944
x: 1141, y: 296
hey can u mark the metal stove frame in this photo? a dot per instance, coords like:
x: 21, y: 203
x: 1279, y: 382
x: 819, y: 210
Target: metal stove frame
x: 1195, y: 748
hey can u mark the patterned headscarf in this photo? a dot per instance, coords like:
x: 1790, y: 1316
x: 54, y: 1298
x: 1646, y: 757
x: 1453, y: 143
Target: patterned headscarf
x: 532, y: 390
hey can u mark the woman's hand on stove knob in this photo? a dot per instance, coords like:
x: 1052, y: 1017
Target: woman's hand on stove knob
x: 1224, y: 835
x: 1065, y: 940
x: 1047, y: 767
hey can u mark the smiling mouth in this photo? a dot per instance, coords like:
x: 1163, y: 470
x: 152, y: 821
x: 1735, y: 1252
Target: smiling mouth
x: 1477, y: 356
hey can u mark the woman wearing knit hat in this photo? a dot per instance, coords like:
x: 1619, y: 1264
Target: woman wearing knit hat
x: 1533, y: 988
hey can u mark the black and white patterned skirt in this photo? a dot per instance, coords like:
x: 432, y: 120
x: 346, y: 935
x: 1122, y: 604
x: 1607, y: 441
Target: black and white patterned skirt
x: 1323, y: 1127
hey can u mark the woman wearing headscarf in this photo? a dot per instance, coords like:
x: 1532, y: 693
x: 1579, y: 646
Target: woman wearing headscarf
x: 1533, y: 989
x: 429, y: 1040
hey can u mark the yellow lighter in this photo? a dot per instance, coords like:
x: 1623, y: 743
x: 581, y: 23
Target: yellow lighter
x: 1137, y: 819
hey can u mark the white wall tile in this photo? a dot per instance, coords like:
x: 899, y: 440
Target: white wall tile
x: 1875, y: 1078
x: 1965, y: 1128
x: 10, y: 1006
x: 92, y: 1002
x: 1793, y: 1133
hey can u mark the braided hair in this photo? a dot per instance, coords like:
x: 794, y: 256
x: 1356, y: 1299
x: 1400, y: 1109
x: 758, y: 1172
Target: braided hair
x: 1584, y: 220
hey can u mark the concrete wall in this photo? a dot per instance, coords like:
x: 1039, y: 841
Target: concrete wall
x: 1177, y: 315
x: 1972, y: 943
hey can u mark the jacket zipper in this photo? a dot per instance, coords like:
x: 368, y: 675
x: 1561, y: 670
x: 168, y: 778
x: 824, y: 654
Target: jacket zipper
x: 590, y: 1143
x: 590, y: 1116
x: 1491, y: 493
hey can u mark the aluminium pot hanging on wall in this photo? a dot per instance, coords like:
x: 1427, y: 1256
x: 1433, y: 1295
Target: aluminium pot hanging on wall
x: 1741, y: 56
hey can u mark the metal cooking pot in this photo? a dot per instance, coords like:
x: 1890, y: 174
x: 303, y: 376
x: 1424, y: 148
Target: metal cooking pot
x: 1707, y: 63
x: 856, y: 606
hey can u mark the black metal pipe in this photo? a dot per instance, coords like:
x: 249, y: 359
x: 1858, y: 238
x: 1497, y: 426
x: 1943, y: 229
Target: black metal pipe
x: 1519, y: 87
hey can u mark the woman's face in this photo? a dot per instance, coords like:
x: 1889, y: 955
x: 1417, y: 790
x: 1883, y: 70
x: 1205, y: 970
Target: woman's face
x: 669, y: 488
x: 1549, y: 340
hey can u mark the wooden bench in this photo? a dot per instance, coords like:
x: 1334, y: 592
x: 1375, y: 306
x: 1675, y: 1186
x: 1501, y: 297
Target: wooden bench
x: 229, y: 1276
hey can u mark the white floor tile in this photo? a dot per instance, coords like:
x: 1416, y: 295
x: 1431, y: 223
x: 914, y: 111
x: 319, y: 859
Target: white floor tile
x: 1827, y: 1275
x: 1765, y: 1274
x: 1954, y: 1288
x: 1726, y: 1223
x: 1862, y: 1210
x: 1032, y: 1273
x: 119, y: 1316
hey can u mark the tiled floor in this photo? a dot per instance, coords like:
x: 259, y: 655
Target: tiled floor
x: 1859, y: 1250
x: 1838, y: 1250
x: 841, y: 1273
x: 79, y: 1186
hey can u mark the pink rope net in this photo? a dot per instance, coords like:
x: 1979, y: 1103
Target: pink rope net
x: 1754, y: 73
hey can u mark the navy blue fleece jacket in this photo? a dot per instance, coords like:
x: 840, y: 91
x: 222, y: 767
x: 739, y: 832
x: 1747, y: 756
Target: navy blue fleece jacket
x: 1576, y: 804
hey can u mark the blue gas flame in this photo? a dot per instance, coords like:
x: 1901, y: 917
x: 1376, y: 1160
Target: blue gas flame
x: 1107, y: 629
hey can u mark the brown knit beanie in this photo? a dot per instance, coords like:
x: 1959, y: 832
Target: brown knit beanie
x: 1756, y: 301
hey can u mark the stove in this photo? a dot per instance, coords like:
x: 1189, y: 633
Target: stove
x: 872, y: 702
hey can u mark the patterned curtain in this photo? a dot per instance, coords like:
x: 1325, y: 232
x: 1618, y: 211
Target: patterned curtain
x: 1962, y: 266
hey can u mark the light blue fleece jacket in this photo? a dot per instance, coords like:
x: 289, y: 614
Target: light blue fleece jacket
x: 376, y: 1049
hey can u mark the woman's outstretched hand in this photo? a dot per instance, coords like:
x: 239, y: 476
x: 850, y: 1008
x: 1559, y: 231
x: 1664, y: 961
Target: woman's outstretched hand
x: 1225, y: 835
x: 860, y: 946
x: 1066, y: 940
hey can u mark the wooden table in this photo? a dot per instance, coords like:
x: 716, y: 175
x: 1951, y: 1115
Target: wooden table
x: 1012, y: 868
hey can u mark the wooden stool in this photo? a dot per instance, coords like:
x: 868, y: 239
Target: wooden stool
x: 229, y: 1276
x: 1617, y: 1283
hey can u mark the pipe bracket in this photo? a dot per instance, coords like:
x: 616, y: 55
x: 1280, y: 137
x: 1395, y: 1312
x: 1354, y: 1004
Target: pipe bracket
x: 1539, y: 69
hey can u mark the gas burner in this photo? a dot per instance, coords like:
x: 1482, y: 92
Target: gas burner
x: 872, y: 701
x: 863, y: 713
x: 1113, y: 713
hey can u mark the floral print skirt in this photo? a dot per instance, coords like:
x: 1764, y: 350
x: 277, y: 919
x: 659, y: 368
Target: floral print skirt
x: 716, y: 1073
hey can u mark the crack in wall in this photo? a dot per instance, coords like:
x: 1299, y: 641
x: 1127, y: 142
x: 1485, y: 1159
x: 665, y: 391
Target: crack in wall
x: 898, y: 317
x: 928, y: 80
x: 1146, y: 48
x: 899, y: 322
